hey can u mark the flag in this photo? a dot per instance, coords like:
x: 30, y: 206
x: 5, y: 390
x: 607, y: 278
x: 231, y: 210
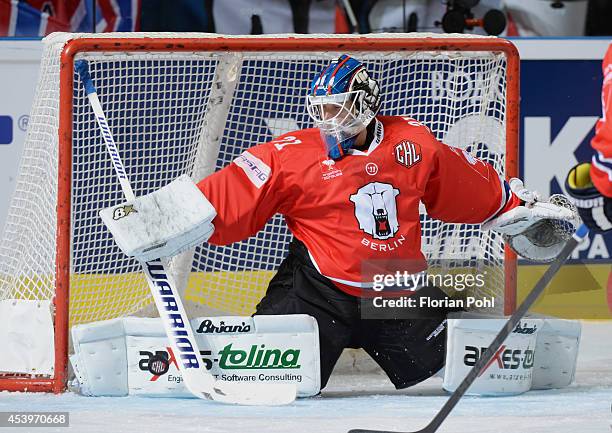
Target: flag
x: 33, y: 18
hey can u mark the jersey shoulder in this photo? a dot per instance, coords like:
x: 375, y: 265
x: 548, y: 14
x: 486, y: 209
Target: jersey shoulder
x: 289, y: 153
x: 290, y: 146
x: 399, y: 128
x: 306, y: 138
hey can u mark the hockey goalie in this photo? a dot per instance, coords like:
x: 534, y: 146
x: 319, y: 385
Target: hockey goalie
x: 349, y: 190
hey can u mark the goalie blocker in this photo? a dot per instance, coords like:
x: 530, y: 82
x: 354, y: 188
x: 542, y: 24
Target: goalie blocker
x: 163, y: 223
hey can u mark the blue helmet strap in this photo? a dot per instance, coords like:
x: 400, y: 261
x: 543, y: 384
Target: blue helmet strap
x: 339, y: 149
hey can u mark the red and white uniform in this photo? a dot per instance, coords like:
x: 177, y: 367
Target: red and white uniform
x: 601, y: 166
x: 364, y: 206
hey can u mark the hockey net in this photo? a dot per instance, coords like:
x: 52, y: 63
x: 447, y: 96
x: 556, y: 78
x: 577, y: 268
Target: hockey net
x: 191, y: 103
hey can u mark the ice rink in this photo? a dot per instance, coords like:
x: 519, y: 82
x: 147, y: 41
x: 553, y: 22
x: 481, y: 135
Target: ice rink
x: 350, y: 401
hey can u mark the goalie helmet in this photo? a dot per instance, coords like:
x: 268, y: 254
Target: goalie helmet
x: 343, y: 100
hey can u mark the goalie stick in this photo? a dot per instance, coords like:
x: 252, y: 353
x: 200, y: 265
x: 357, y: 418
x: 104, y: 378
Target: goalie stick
x: 514, y: 319
x: 169, y: 305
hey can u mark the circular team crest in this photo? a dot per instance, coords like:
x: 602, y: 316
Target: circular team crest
x: 158, y: 365
x: 371, y: 168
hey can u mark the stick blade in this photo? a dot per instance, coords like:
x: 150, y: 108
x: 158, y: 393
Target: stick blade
x: 358, y: 430
x: 255, y: 394
x: 239, y: 393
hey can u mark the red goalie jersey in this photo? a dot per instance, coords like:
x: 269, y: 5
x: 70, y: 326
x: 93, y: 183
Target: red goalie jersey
x: 364, y: 206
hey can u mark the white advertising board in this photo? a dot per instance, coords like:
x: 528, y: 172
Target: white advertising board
x: 19, y: 63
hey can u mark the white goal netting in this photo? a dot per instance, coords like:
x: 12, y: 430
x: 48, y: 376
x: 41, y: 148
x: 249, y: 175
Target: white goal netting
x: 193, y: 112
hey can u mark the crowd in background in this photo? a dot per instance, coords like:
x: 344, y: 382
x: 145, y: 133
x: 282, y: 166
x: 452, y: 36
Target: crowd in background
x: 37, y: 18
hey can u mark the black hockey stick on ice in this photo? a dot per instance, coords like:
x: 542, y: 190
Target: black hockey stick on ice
x: 452, y: 401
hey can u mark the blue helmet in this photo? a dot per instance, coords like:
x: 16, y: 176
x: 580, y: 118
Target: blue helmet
x: 342, y: 101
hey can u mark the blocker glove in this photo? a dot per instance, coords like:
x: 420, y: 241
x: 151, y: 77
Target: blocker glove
x: 163, y: 223
x: 594, y: 208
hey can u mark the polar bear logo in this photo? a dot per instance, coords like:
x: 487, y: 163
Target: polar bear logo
x: 376, y: 210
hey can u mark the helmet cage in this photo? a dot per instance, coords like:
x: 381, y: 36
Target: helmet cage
x: 340, y: 115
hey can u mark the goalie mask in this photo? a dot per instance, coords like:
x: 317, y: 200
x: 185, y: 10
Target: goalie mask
x: 343, y: 100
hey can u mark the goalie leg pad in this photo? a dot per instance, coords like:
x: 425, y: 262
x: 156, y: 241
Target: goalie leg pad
x: 540, y: 353
x: 509, y: 372
x: 131, y: 356
x: 163, y: 223
x: 556, y: 353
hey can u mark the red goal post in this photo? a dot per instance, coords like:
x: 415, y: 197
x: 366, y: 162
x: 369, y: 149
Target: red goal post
x: 72, y: 140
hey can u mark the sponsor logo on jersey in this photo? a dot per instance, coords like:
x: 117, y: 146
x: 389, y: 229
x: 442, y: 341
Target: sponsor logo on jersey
x: 476, y: 164
x: 256, y: 170
x: 123, y: 211
x: 371, y: 168
x: 329, y: 169
x: 329, y: 163
x: 378, y: 133
x: 407, y: 153
x: 376, y: 209
x: 588, y: 203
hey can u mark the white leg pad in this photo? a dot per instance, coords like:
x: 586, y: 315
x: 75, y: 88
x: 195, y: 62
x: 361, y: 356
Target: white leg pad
x: 556, y: 353
x: 131, y: 355
x: 511, y: 369
x: 26, y: 349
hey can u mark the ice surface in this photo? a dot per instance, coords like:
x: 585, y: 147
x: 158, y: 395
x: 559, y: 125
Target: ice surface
x: 351, y: 401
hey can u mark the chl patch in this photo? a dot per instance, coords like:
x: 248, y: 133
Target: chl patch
x: 407, y: 153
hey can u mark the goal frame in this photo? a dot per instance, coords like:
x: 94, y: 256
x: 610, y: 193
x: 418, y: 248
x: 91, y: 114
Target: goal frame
x: 57, y: 383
